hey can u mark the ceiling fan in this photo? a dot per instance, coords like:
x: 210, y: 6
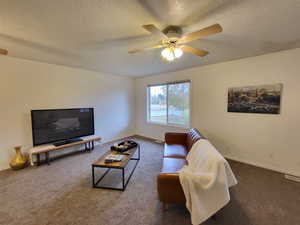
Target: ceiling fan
x: 174, y: 42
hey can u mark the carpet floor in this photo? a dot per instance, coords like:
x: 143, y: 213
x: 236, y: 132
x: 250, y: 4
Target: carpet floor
x: 61, y: 194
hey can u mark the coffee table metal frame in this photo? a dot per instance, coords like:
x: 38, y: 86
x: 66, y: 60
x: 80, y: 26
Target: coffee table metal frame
x: 109, y: 167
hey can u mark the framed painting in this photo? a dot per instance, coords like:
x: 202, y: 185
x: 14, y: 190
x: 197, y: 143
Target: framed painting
x: 255, y: 99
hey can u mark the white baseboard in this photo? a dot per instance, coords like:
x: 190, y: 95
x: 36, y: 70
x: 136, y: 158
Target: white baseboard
x: 291, y: 177
x: 115, y: 139
x: 5, y: 167
x: 268, y: 167
x: 264, y: 166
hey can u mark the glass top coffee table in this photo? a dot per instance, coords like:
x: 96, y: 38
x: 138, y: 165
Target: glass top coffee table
x: 100, y: 163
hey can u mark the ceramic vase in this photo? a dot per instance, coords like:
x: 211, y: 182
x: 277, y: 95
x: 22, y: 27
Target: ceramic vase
x: 19, y: 161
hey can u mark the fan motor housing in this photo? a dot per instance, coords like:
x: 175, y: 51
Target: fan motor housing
x: 173, y: 31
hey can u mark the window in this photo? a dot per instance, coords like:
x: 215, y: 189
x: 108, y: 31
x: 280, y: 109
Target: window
x: 169, y: 104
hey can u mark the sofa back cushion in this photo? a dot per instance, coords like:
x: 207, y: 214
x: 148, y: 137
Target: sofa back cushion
x: 193, y: 135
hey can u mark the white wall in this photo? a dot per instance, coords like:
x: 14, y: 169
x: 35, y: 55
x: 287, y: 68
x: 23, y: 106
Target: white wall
x: 270, y: 141
x: 26, y: 85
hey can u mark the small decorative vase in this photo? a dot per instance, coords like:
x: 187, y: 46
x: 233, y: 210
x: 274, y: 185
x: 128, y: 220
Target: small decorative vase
x: 19, y: 161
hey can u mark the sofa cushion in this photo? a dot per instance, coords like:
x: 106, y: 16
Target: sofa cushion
x: 175, y: 151
x: 172, y: 165
x: 175, y: 138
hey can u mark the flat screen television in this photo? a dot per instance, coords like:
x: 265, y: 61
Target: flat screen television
x: 59, y: 125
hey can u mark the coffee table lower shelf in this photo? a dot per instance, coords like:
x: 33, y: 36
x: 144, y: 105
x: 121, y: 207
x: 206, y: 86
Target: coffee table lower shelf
x: 109, y: 166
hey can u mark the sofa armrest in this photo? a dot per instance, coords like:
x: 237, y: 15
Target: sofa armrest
x: 175, y: 138
x: 169, y: 188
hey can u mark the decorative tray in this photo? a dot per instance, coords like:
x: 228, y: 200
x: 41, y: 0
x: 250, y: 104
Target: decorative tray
x: 124, y: 146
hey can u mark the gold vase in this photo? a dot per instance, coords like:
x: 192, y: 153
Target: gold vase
x: 19, y: 161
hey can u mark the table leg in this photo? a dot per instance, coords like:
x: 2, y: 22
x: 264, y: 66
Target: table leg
x: 47, y: 158
x: 38, y: 159
x: 93, y: 175
x: 123, y: 178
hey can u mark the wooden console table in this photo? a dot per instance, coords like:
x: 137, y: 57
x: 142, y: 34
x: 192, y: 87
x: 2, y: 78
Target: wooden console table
x: 46, y: 149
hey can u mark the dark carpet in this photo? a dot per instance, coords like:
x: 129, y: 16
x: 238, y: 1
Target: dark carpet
x: 61, y: 194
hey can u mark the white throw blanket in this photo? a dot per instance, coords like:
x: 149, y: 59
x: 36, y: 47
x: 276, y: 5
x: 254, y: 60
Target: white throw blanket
x: 205, y: 181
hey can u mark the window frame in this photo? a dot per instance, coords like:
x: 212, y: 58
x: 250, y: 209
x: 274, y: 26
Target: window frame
x: 188, y: 125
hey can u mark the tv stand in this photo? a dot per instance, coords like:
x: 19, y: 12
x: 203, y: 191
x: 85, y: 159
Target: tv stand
x: 69, y: 141
x: 88, y: 143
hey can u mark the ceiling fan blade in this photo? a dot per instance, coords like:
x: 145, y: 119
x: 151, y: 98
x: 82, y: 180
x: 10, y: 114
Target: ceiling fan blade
x: 213, y: 29
x: 144, y: 49
x: 3, y: 51
x: 154, y: 30
x: 196, y: 51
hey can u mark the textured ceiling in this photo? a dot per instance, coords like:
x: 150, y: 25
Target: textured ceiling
x: 96, y: 34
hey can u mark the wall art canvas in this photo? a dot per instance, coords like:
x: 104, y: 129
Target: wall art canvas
x: 255, y: 99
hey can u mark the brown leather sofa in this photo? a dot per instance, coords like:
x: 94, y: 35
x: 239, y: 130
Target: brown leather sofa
x: 177, y: 146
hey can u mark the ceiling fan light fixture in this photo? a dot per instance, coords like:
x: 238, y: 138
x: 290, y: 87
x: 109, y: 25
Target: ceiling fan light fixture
x: 170, y: 58
x: 171, y: 53
x: 178, y: 52
x: 166, y: 53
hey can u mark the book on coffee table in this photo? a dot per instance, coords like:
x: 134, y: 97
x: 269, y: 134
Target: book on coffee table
x: 114, y: 158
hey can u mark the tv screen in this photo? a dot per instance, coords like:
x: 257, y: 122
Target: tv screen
x: 54, y: 125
